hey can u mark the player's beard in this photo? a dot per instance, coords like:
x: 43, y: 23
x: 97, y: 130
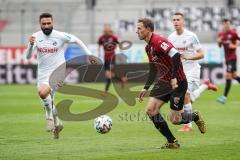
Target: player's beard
x: 47, y: 31
x: 142, y: 37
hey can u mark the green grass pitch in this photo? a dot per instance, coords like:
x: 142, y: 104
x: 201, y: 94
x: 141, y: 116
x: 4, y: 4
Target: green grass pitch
x: 23, y: 135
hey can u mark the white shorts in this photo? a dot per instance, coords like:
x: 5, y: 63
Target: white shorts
x: 193, y: 79
x: 192, y: 86
x: 43, y: 79
x: 52, y: 78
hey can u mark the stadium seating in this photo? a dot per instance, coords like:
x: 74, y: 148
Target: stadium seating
x: 73, y: 16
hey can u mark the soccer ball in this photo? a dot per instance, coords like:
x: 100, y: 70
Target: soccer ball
x: 103, y: 124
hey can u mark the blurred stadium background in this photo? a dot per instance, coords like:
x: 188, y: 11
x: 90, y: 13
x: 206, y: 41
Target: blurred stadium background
x: 85, y: 19
x: 22, y: 134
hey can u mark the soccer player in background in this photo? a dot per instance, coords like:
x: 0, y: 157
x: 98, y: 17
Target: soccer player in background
x: 49, y: 46
x: 228, y: 39
x: 188, y: 45
x: 165, y: 65
x: 109, y: 41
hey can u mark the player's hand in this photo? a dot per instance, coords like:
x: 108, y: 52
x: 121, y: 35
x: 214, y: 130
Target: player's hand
x: 32, y: 40
x: 185, y: 56
x: 219, y: 40
x: 141, y: 95
x: 174, y: 83
x: 232, y: 46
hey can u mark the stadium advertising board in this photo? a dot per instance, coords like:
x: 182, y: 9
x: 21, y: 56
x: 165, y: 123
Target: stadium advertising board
x: 15, y: 68
x: 134, y: 54
x: 23, y: 74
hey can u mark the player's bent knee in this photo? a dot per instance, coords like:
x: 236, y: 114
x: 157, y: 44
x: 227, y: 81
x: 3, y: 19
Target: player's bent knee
x: 228, y: 76
x: 234, y: 75
x: 43, y: 92
x: 108, y: 74
x: 171, y: 118
x: 150, y: 111
x: 187, y: 98
x: 175, y: 117
x: 175, y: 122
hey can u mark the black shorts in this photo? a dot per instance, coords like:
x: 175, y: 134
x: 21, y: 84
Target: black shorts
x: 165, y: 93
x: 231, y: 66
x: 109, y: 65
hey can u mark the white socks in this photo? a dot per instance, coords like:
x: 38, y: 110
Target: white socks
x: 188, y: 109
x: 47, y: 102
x: 51, y: 112
x: 195, y: 94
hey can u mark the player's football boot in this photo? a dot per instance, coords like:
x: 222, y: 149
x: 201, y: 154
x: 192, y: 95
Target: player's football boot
x: 221, y: 100
x: 210, y: 85
x: 56, y: 131
x: 185, y: 128
x: 50, y: 125
x: 174, y: 145
x: 200, y: 123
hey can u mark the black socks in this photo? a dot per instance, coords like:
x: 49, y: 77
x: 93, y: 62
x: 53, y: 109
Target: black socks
x: 162, y: 126
x: 227, y: 87
x: 189, y: 117
x: 108, y: 82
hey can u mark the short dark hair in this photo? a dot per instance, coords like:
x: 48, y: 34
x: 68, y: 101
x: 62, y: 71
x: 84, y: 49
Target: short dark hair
x: 225, y: 20
x: 147, y: 23
x: 45, y: 15
x: 178, y: 14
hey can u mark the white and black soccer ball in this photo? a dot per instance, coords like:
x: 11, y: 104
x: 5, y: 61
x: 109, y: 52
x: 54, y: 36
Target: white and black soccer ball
x: 103, y: 124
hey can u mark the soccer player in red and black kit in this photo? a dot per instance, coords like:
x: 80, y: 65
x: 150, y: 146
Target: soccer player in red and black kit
x: 109, y: 42
x: 228, y: 39
x: 165, y: 65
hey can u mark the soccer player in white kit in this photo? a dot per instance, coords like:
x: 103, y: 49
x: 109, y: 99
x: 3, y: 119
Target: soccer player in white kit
x: 187, y: 43
x: 49, y: 45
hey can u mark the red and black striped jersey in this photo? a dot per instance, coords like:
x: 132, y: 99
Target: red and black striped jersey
x: 157, y: 51
x: 229, y: 37
x: 109, y: 43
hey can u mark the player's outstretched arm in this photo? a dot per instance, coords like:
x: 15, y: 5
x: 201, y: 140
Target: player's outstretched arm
x: 199, y: 55
x: 91, y: 58
x: 83, y: 46
x: 73, y: 39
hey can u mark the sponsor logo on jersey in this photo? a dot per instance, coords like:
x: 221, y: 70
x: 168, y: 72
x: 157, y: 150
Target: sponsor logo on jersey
x: 182, y: 49
x: 47, y: 50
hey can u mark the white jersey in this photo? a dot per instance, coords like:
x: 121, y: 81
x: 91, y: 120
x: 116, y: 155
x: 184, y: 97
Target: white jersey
x: 50, y: 53
x: 187, y: 43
